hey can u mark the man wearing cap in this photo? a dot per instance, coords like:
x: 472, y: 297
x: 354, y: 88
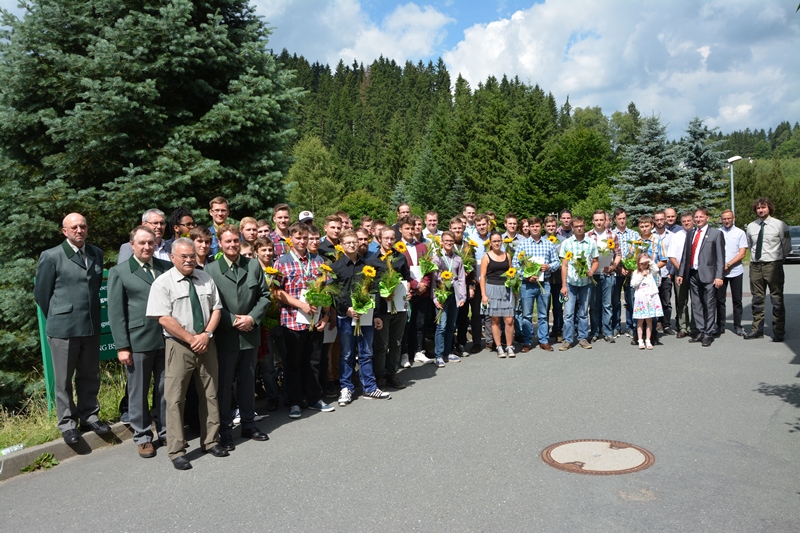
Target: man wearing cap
x: 306, y: 217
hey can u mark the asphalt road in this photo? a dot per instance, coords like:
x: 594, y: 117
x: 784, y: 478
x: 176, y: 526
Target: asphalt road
x: 459, y: 449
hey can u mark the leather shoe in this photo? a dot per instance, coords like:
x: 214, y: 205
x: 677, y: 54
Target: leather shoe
x: 681, y: 334
x: 146, y: 450
x: 217, y: 451
x: 99, y: 427
x: 181, y: 463
x: 254, y: 434
x: 71, y: 436
x: 226, y: 443
x: 777, y: 337
x: 525, y: 349
x: 706, y: 342
x: 696, y: 338
x: 546, y: 347
x: 395, y: 383
x: 754, y: 335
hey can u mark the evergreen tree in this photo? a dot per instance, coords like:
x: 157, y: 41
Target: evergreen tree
x: 703, y: 160
x: 312, y: 181
x: 653, y: 180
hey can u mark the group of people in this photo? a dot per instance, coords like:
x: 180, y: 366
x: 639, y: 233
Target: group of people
x: 302, y: 314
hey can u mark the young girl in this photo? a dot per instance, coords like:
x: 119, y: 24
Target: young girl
x: 647, y: 304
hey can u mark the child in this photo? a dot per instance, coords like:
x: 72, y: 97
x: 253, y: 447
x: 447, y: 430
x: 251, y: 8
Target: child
x: 647, y: 304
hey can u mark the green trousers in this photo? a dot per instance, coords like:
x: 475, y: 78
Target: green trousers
x: 765, y: 276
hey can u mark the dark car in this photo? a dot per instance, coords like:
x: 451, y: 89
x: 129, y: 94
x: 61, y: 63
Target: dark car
x: 794, y: 256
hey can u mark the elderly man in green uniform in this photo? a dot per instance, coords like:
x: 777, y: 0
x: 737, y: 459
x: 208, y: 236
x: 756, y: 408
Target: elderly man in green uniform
x: 186, y: 303
x: 245, y: 299
x: 67, y: 290
x: 139, y: 342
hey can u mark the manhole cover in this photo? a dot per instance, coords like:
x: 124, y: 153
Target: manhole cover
x: 597, y: 457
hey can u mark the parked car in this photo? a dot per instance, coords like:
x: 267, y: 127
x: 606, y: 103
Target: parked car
x: 794, y: 256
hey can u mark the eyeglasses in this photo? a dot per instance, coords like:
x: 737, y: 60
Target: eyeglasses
x: 188, y: 225
x: 159, y: 223
x: 350, y: 243
x: 219, y: 211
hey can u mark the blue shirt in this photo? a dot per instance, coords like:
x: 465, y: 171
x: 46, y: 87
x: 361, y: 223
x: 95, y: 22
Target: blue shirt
x: 585, y: 248
x: 541, y: 248
x: 624, y: 237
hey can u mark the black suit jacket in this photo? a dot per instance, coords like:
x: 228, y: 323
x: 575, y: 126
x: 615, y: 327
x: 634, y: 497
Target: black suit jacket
x: 710, y: 259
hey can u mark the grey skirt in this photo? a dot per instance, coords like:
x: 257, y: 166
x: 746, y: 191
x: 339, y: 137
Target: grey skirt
x: 501, y: 300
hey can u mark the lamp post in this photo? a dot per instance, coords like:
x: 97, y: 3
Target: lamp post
x: 731, y: 161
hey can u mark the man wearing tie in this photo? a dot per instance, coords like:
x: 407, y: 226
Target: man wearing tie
x: 139, y: 342
x: 769, y: 242
x: 245, y: 299
x: 67, y: 290
x: 703, y: 264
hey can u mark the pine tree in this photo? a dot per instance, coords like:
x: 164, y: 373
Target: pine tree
x: 313, y: 181
x: 703, y: 160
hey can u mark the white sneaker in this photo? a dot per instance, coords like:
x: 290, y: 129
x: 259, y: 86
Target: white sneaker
x: 345, y: 397
x: 257, y: 417
x: 236, y: 417
x: 404, y: 361
x: 420, y: 357
x: 510, y: 352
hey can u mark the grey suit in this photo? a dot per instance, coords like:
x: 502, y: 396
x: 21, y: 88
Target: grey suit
x: 68, y: 292
x: 710, y: 266
x: 128, y: 290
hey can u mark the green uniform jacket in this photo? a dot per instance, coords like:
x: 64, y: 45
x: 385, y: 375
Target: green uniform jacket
x: 128, y: 290
x: 68, y: 291
x: 247, y: 296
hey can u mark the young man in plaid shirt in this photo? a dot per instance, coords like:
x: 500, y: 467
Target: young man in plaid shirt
x: 604, y: 278
x: 299, y: 268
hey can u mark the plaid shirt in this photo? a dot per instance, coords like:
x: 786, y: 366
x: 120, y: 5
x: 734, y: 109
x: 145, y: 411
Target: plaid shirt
x: 655, y: 249
x: 623, y: 237
x: 588, y: 249
x: 279, y: 243
x: 544, y: 249
x: 294, y: 282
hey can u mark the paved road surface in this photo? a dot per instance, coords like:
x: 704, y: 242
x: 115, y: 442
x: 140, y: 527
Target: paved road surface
x: 459, y: 451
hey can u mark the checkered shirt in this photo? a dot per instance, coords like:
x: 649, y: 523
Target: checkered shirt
x: 279, y: 244
x: 294, y: 282
x: 623, y: 237
x: 543, y: 248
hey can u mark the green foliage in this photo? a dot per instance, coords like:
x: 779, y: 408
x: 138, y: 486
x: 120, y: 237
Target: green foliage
x: 46, y: 461
x: 767, y: 178
x: 360, y: 202
x: 703, y: 161
x: 312, y: 181
x: 598, y: 197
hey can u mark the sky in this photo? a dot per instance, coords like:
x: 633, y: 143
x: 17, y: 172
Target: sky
x: 733, y: 63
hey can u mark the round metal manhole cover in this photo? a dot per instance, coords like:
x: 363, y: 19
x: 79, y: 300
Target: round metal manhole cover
x: 597, y: 457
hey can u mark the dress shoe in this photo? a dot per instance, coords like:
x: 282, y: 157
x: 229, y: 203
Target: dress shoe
x: 706, y: 342
x: 217, y: 451
x: 272, y: 405
x: 181, y: 463
x: 226, y: 442
x: 99, y: 427
x: 71, y: 436
x: 777, y: 337
x: 146, y: 450
x: 546, y: 347
x: 669, y: 331
x: 254, y: 434
x: 681, y: 334
x: 525, y: 349
x: 696, y: 338
x: 754, y: 335
x: 395, y: 383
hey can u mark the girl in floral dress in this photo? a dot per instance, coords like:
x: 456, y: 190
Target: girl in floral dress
x: 647, y: 304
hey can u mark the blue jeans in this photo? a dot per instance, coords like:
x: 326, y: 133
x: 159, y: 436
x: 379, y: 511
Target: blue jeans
x: 616, y: 303
x: 446, y: 328
x: 601, y: 305
x: 578, y: 303
x: 529, y: 293
x: 347, y: 355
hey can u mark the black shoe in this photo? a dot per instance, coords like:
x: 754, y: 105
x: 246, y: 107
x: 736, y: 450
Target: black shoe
x: 777, y: 337
x: 217, y: 451
x: 706, y: 342
x: 226, y: 443
x: 71, y: 436
x: 272, y: 405
x: 669, y: 331
x: 181, y: 463
x: 395, y: 383
x: 476, y: 348
x: 754, y: 335
x: 696, y: 338
x: 254, y: 434
x: 99, y: 427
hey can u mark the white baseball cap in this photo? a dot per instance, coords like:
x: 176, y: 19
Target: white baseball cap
x: 305, y: 216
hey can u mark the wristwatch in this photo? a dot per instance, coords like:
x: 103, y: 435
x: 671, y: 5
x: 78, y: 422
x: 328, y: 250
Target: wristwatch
x: 210, y: 334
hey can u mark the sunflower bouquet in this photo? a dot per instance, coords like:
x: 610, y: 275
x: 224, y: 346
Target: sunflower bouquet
x: 443, y: 291
x: 632, y: 259
x: 605, y: 246
x: 580, y: 263
x: 361, y: 295
x: 272, y: 279
x: 389, y: 281
x: 553, y: 239
x: 321, y: 291
x: 509, y: 242
x: 338, y: 251
x: 467, y: 255
x: 512, y: 281
x: 530, y: 266
x: 426, y: 264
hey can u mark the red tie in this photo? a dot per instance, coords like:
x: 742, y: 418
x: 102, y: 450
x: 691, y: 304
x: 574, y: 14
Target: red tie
x: 694, y: 247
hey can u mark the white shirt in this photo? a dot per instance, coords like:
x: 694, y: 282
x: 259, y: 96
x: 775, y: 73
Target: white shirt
x: 735, y: 239
x: 699, y: 235
x: 666, y: 240
x: 676, y: 244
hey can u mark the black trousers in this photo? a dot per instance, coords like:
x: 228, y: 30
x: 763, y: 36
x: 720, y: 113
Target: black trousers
x: 414, y: 335
x: 301, y: 366
x: 735, y: 284
x: 463, y: 321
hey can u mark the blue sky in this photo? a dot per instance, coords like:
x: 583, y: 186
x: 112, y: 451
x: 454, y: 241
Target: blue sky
x: 734, y: 63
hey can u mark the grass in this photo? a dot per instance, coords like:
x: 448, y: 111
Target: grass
x: 33, y: 424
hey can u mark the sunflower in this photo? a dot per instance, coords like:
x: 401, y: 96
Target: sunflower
x: 511, y: 272
x: 447, y: 275
x: 369, y: 272
x: 400, y: 247
x: 521, y: 256
x: 472, y: 243
x: 610, y: 244
x: 553, y: 238
x: 271, y: 271
x: 438, y: 240
x: 386, y: 255
x: 568, y: 256
x: 492, y: 224
x: 339, y: 248
x: 486, y: 243
x: 288, y: 242
x: 325, y: 267
x: 508, y: 240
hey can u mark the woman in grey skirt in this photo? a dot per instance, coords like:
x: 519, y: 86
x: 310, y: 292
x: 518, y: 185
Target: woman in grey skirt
x: 497, y: 298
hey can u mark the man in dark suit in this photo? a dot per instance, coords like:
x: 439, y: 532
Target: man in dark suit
x: 67, y: 290
x: 245, y: 299
x: 139, y: 342
x: 703, y: 264
x: 419, y: 291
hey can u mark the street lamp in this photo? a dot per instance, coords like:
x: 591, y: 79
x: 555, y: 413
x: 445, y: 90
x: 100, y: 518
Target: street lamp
x: 731, y: 161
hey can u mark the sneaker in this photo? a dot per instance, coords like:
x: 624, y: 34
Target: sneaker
x: 420, y: 357
x: 404, y: 361
x: 629, y: 334
x: 641, y: 344
x: 377, y: 394
x: 583, y: 343
x: 453, y: 358
x: 648, y: 345
x: 236, y: 416
x: 510, y: 352
x: 440, y: 362
x: 564, y: 346
x: 125, y: 417
x: 345, y: 397
x: 616, y: 334
x: 609, y: 339
x: 322, y: 406
x: 295, y: 411
x: 257, y: 418
x: 500, y: 352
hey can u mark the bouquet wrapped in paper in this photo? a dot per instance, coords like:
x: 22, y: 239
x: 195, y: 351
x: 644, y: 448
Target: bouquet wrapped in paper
x: 631, y: 260
x: 531, y: 267
x: 443, y: 292
x: 321, y: 291
x: 426, y: 264
x: 361, y: 295
x: 605, y: 246
x: 467, y: 255
x: 389, y: 281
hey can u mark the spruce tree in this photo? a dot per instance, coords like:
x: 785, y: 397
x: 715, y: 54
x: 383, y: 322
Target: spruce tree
x: 703, y: 161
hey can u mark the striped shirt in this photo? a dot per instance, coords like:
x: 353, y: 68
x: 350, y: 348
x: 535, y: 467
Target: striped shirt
x: 584, y: 248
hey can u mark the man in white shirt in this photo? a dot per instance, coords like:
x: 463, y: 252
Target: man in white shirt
x: 735, y: 248
x: 684, y: 321
x: 662, y: 234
